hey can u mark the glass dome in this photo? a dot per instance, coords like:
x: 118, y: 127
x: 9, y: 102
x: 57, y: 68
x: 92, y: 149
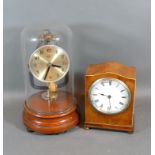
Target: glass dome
x: 47, y: 61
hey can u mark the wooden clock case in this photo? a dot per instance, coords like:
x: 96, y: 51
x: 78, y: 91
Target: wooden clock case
x: 123, y: 121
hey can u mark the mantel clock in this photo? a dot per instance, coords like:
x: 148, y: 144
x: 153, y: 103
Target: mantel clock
x: 110, y: 96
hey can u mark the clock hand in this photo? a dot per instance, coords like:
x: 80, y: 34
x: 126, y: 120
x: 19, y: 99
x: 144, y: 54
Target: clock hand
x: 47, y: 72
x: 49, y: 66
x: 109, y: 105
x: 109, y: 97
x: 103, y: 95
x: 53, y: 65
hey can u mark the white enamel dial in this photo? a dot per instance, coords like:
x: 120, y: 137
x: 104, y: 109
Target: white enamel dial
x: 109, y: 96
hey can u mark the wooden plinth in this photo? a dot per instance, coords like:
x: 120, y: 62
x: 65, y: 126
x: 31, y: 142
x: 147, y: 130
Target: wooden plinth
x: 50, y: 118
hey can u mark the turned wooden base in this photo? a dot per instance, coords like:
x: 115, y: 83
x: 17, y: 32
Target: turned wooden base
x: 58, y: 117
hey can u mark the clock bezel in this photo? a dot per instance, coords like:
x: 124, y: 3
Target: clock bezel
x: 114, y: 79
x: 57, y: 47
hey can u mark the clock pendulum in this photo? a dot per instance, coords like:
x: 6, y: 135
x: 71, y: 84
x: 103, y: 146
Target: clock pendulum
x: 52, y: 110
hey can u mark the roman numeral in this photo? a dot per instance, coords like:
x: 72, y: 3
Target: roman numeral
x: 110, y: 82
x: 41, y: 52
x: 102, y: 83
x: 124, y: 97
x: 109, y: 108
x: 122, y: 90
x: 96, y: 101
x: 101, y: 105
x: 36, y: 57
x: 121, y: 103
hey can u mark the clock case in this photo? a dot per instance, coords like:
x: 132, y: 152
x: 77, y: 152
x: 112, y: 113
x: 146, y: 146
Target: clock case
x: 123, y: 121
x: 39, y: 115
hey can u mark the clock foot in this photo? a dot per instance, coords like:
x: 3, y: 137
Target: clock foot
x: 86, y: 128
x: 29, y: 130
x: 130, y: 132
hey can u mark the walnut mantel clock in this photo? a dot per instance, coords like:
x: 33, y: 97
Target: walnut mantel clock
x: 50, y: 106
x: 110, y: 96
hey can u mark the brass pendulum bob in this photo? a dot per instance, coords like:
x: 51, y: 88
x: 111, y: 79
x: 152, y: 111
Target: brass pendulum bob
x: 52, y: 89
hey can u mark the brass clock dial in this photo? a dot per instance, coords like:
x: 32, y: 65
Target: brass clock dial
x: 49, y: 63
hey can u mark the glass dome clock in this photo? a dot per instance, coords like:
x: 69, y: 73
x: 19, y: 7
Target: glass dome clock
x: 50, y: 105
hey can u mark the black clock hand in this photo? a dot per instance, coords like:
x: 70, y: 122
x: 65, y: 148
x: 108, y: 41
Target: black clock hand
x: 109, y: 97
x: 47, y: 72
x: 109, y: 104
x: 53, y: 65
x: 102, y: 94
